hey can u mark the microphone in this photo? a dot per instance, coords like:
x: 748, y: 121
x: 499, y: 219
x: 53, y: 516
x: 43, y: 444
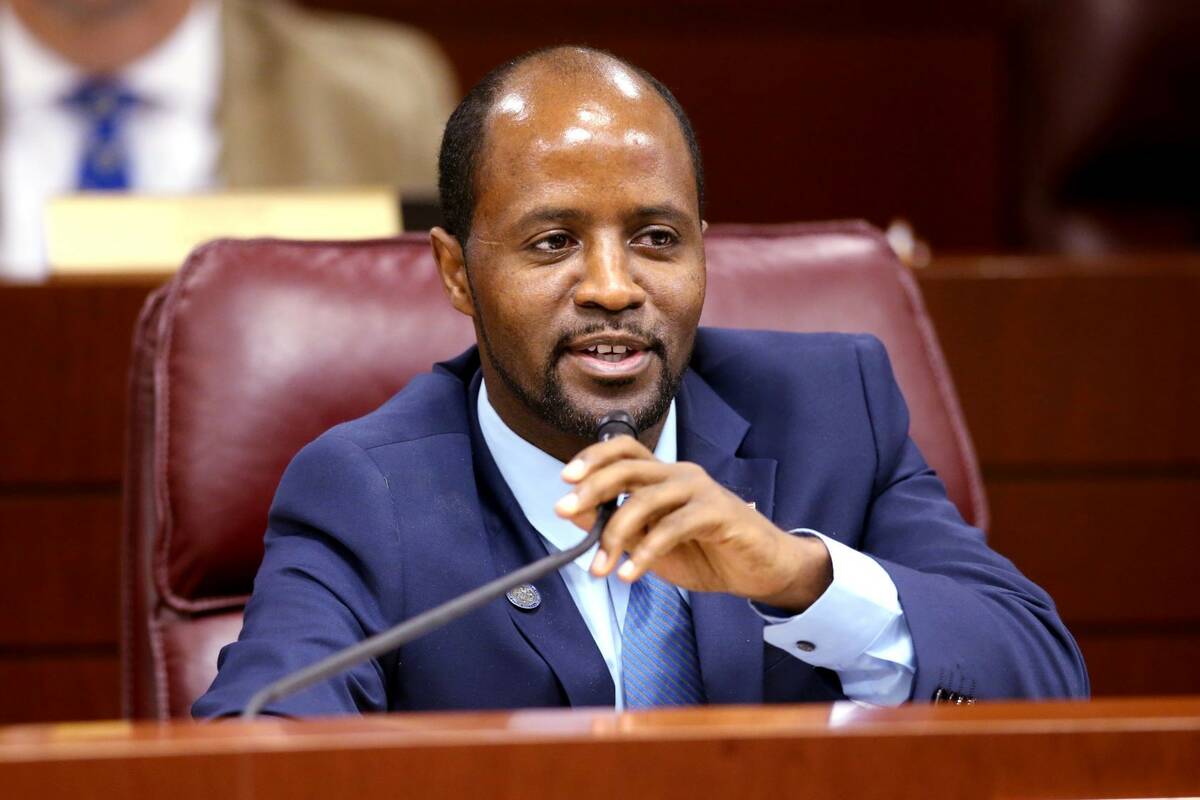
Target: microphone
x: 615, y: 423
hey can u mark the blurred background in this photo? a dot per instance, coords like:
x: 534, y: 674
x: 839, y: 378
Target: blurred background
x: 1000, y: 125
x: 1036, y: 162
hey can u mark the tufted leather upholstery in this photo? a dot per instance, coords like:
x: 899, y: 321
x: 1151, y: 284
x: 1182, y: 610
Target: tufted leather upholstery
x: 255, y: 347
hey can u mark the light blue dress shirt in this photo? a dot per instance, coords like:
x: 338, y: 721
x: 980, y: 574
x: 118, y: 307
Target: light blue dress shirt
x: 856, y: 628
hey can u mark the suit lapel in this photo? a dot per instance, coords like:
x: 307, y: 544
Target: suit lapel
x: 728, y: 632
x: 555, y: 629
x: 729, y: 635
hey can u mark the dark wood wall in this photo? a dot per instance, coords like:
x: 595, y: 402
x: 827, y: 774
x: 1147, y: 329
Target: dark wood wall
x: 64, y: 351
x: 1078, y: 381
x: 1080, y: 385
x: 813, y: 110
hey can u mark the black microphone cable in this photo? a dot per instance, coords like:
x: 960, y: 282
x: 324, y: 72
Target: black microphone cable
x: 613, y: 424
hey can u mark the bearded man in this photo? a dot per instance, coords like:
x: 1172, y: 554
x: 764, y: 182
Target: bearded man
x: 781, y: 539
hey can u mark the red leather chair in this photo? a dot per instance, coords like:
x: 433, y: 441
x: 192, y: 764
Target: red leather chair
x: 256, y: 347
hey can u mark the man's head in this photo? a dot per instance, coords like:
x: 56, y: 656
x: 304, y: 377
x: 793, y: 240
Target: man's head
x: 571, y: 185
x: 101, y: 36
x: 466, y: 129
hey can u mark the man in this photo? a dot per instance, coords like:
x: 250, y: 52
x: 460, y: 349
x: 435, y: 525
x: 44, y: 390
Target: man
x: 781, y: 539
x: 173, y: 96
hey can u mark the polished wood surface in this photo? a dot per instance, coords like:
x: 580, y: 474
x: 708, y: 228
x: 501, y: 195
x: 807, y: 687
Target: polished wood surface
x: 1130, y: 748
x: 1077, y: 378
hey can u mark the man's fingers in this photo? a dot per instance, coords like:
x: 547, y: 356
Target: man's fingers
x: 674, y: 529
x: 601, y: 454
x: 609, y: 483
x: 637, y: 514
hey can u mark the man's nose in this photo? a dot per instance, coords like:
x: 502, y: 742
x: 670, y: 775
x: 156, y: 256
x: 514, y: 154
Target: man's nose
x: 608, y: 282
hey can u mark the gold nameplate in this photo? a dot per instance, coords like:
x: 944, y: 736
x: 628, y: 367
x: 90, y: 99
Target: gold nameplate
x: 100, y: 233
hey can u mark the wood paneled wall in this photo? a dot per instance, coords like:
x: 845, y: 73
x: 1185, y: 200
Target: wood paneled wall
x: 813, y: 110
x: 64, y: 350
x: 1078, y: 380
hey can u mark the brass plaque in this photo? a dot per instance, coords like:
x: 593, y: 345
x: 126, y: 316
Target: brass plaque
x: 101, y: 233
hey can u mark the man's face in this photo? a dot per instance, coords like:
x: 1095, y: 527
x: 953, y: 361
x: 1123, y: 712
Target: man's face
x: 101, y: 36
x: 586, y: 259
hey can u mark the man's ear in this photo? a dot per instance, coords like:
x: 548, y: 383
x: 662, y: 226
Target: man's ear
x: 703, y: 226
x: 452, y: 266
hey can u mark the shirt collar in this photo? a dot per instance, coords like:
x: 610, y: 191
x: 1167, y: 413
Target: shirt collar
x: 533, y: 475
x: 33, y: 74
x: 183, y: 71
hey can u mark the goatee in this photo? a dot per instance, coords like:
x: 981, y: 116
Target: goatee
x: 550, y: 402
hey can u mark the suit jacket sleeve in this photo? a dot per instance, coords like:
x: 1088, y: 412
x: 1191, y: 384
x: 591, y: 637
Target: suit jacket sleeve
x: 331, y: 564
x: 979, y: 627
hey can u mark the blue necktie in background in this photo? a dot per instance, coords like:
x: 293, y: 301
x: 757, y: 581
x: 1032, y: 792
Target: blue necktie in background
x: 105, y: 106
x: 658, y: 647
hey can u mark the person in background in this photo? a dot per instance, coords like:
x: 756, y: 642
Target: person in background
x: 180, y: 96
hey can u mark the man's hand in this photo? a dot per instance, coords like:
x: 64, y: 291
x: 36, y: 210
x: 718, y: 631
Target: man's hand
x: 688, y: 529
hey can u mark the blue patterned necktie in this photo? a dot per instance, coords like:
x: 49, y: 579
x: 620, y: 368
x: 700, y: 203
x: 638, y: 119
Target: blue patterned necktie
x: 104, y: 105
x: 658, y: 647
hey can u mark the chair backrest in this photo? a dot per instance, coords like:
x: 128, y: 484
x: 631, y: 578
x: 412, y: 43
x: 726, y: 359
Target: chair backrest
x: 255, y: 347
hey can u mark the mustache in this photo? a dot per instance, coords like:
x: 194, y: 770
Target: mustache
x: 654, y: 342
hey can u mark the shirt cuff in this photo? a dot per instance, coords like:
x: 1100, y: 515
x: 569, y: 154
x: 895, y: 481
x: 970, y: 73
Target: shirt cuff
x: 837, y: 630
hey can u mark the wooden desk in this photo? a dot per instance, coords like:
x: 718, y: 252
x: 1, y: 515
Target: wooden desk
x: 1131, y: 748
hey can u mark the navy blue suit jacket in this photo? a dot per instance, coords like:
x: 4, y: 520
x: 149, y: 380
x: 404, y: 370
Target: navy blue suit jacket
x: 391, y: 514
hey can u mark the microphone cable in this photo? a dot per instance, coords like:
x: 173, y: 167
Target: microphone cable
x: 615, y: 423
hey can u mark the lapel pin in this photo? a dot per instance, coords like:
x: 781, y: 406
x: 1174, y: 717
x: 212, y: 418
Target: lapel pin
x: 525, y: 597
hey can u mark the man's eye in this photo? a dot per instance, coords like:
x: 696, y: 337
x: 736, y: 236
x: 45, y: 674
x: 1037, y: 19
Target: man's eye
x: 657, y: 237
x: 553, y: 243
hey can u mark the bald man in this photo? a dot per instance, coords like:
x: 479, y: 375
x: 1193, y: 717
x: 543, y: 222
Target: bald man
x: 752, y: 560
x: 178, y: 96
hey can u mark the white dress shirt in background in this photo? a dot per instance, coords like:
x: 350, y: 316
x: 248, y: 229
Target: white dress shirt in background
x: 172, y: 138
x: 856, y: 628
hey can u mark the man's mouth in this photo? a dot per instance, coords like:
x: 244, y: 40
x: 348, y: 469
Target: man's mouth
x: 610, y: 355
